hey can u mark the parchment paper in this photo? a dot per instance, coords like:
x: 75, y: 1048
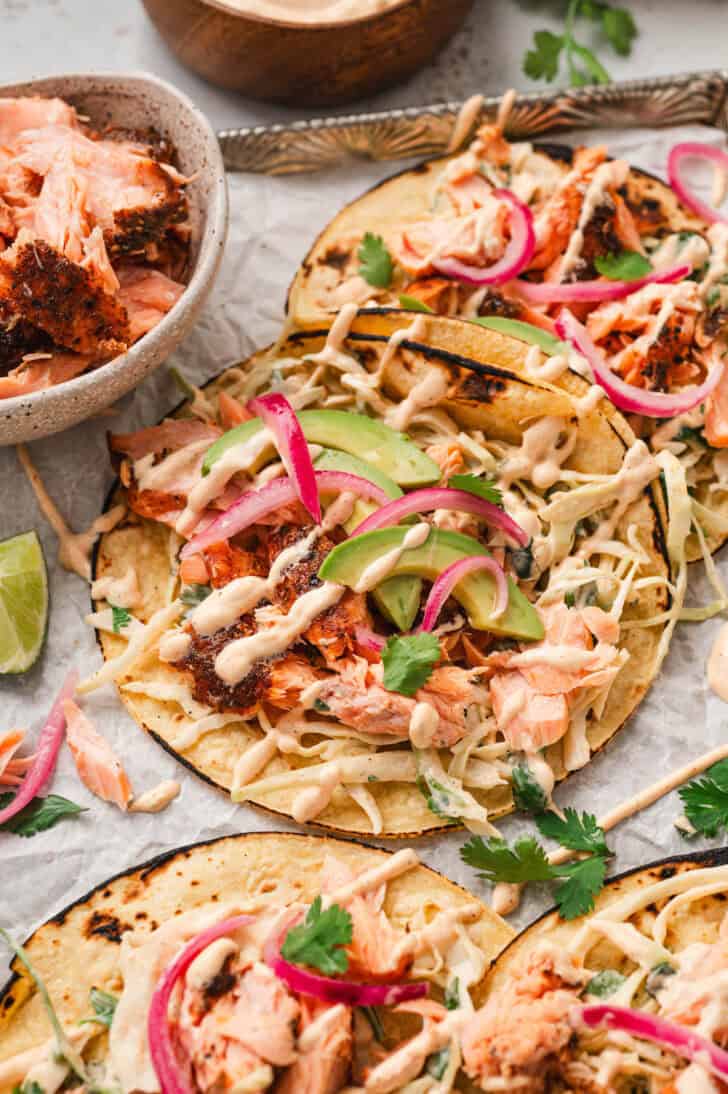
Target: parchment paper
x: 273, y: 222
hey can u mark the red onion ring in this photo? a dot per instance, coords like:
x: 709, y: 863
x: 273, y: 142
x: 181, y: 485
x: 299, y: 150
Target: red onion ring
x: 353, y: 994
x: 164, y: 1059
x: 253, y: 505
x: 369, y: 640
x: 517, y: 255
x: 452, y: 575
x: 695, y: 150
x: 589, y: 292
x: 442, y: 497
x: 278, y: 415
x: 653, y: 404
x: 46, y: 754
x: 692, y: 1046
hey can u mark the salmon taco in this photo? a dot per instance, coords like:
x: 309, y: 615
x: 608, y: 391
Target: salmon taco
x: 628, y: 998
x: 261, y: 962
x: 373, y: 630
x: 537, y: 240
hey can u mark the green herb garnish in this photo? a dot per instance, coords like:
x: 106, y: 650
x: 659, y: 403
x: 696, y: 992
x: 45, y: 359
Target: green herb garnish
x: 543, y: 60
x: 318, y: 941
x: 375, y: 261
x: 605, y: 983
x: 408, y: 661
x: 104, y: 1007
x: 528, y: 794
x: 706, y: 800
x: 39, y: 814
x: 192, y: 595
x: 120, y: 617
x: 625, y: 266
x: 478, y: 485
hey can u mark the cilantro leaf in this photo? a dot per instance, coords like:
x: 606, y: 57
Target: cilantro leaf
x: 620, y: 28
x: 39, y: 814
x: 528, y: 794
x: 408, y: 661
x: 575, y: 895
x: 120, y: 617
x: 104, y: 1006
x: 625, y: 266
x: 411, y: 303
x: 192, y: 595
x: 605, y: 983
x: 318, y: 940
x: 437, y: 797
x: 542, y: 60
x: 578, y: 832
x: 452, y: 994
x: 706, y: 800
x: 31, y: 1087
x: 476, y: 484
x: 375, y: 261
x: 496, y: 861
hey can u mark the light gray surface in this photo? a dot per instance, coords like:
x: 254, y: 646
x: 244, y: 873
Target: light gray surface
x: 273, y: 221
x: 41, y: 37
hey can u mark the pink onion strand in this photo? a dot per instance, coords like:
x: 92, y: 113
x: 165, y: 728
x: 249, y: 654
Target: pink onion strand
x: 452, y: 575
x: 517, y: 255
x: 254, y: 505
x: 172, y: 1079
x: 278, y: 415
x: 369, y: 640
x: 675, y: 161
x: 685, y: 1042
x: 443, y: 497
x: 46, y: 755
x: 635, y: 400
x: 589, y: 292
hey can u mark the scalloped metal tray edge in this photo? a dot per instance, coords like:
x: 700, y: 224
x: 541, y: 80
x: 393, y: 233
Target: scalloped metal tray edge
x: 415, y: 132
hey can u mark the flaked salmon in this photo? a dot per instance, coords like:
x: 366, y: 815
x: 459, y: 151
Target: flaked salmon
x: 98, y: 767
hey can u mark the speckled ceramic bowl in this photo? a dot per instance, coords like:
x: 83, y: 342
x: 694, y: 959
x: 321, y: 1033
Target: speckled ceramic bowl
x: 136, y: 101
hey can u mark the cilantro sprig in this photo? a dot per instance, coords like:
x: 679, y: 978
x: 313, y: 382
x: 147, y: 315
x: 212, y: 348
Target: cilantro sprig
x: 120, y: 618
x: 39, y: 814
x: 408, y: 661
x: 624, y: 266
x: 577, y: 883
x: 706, y: 800
x: 104, y: 1007
x: 192, y: 595
x: 318, y: 941
x: 478, y: 485
x: 375, y: 261
x: 528, y: 794
x: 616, y: 24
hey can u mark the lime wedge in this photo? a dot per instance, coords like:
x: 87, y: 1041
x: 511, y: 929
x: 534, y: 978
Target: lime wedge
x: 23, y: 602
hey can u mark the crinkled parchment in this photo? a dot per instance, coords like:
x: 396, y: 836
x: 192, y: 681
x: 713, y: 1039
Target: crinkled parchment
x: 273, y: 222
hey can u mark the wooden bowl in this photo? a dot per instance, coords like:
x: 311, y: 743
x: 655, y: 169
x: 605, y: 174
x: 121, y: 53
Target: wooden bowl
x: 323, y: 64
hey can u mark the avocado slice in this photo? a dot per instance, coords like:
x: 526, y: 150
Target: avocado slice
x: 476, y: 593
x: 386, y: 450
x: 527, y: 332
x: 398, y: 598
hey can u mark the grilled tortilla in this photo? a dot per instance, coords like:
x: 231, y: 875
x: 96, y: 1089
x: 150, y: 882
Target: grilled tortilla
x: 90, y: 947
x: 634, y: 212
x: 346, y: 761
x: 672, y: 968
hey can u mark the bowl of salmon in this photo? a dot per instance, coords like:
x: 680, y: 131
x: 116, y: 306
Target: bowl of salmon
x: 113, y: 213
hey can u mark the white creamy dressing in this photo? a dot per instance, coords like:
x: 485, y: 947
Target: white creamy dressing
x: 673, y: 250
x: 174, y: 645
x: 392, y: 867
x: 210, y: 962
x: 467, y: 116
x: 157, y: 798
x: 333, y: 352
x: 718, y: 665
x: 423, y: 725
x: 550, y: 369
x: 612, y: 173
x: 378, y: 570
x: 505, y: 898
x: 239, y: 458
x: 311, y: 801
x: 190, y: 734
x: 122, y: 592
x: 407, y: 1062
x: 167, y: 474
x: 564, y: 657
x: 74, y: 548
x: 138, y: 644
x: 416, y: 329
x: 311, y: 11
x: 683, y: 294
x: 541, y: 455
x: 428, y: 391
x: 718, y: 264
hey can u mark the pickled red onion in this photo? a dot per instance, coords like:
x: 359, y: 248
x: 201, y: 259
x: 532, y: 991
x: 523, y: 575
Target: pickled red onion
x: 253, y: 505
x: 695, y: 150
x: 164, y: 1060
x: 684, y: 1042
x: 369, y: 640
x: 635, y: 400
x: 46, y: 755
x: 278, y: 415
x: 452, y: 575
x: 589, y: 292
x: 516, y: 257
x: 442, y: 497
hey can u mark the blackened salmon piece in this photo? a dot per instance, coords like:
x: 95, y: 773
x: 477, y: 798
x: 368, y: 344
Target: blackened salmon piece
x: 207, y: 687
x: 153, y: 504
x: 59, y: 297
x: 225, y: 561
x: 494, y: 303
x: 18, y: 339
x: 135, y: 228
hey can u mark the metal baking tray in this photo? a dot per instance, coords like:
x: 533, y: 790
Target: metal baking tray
x: 415, y: 132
